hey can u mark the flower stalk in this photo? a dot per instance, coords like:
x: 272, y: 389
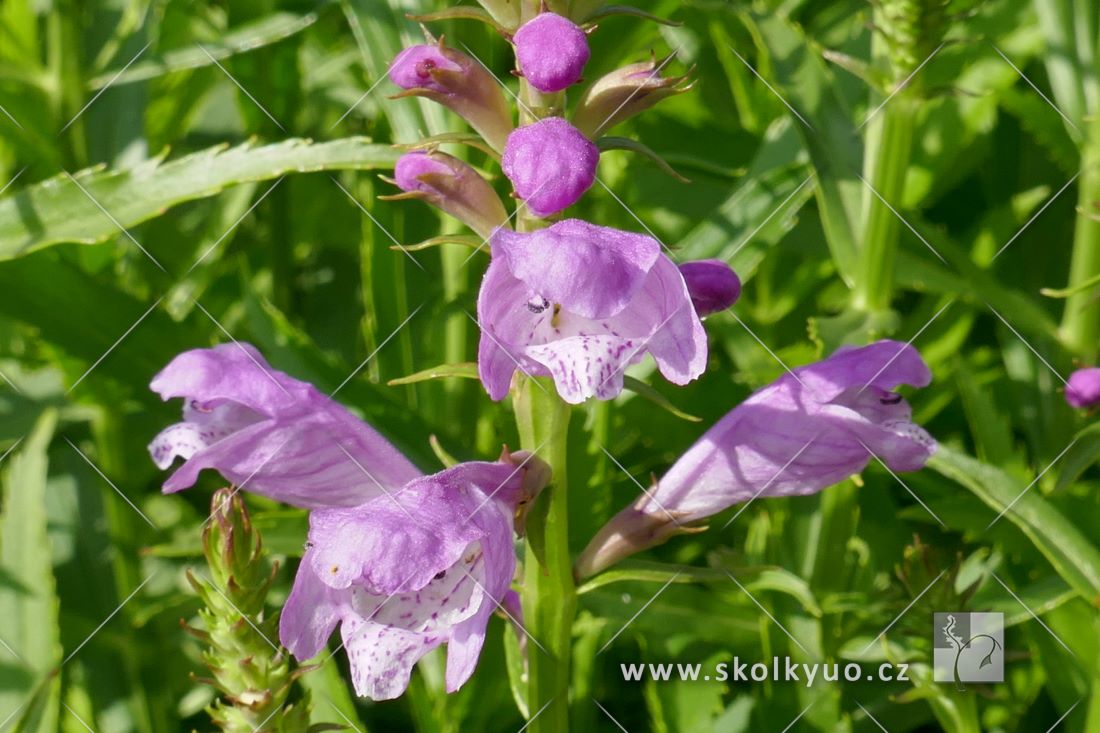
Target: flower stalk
x: 888, y: 150
x: 253, y: 677
x: 1080, y: 328
x: 549, y: 594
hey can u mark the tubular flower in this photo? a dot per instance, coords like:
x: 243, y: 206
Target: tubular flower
x: 551, y: 52
x: 807, y: 430
x: 624, y: 93
x: 269, y: 432
x: 713, y: 285
x: 458, y: 82
x: 581, y: 303
x: 403, y: 573
x: 452, y: 186
x: 550, y: 164
x: 1083, y: 387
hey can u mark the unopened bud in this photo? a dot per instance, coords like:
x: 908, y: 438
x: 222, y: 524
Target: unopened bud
x: 624, y: 93
x: 451, y: 185
x: 458, y: 82
x: 1083, y: 387
x: 551, y: 52
x: 550, y: 164
x: 712, y: 285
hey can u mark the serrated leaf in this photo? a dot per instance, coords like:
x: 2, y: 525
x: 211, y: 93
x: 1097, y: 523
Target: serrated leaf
x: 58, y: 210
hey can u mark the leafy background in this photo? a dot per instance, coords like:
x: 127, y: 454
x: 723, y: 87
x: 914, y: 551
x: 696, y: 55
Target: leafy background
x: 232, y: 152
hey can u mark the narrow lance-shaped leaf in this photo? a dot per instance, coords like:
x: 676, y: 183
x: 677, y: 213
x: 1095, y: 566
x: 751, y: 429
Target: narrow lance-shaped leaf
x: 1069, y: 551
x: 64, y: 209
x: 29, y: 689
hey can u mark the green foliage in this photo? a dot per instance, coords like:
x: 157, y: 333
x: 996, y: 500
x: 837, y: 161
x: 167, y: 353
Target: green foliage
x: 238, y: 144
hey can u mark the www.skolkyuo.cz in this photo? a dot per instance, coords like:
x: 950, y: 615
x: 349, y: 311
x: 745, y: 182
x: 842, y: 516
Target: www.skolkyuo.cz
x: 780, y: 669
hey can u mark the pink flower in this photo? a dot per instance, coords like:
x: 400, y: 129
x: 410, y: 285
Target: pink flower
x: 551, y: 51
x: 426, y: 565
x: 550, y: 164
x: 278, y: 436
x: 581, y: 303
x: 807, y: 430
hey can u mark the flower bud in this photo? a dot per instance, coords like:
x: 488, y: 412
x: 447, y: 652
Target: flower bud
x: 1083, y: 387
x: 452, y: 186
x: 624, y: 93
x: 550, y: 164
x: 458, y: 82
x: 551, y: 52
x: 712, y: 284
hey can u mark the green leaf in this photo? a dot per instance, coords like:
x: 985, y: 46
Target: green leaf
x: 57, y: 210
x: 759, y: 211
x: 1082, y: 454
x: 461, y: 12
x: 247, y: 37
x: 753, y: 578
x: 29, y: 683
x: 611, y: 142
x: 806, y: 84
x: 466, y: 370
x: 642, y: 389
x: 380, y: 35
x: 1071, y: 554
x: 85, y: 316
x: 610, y: 11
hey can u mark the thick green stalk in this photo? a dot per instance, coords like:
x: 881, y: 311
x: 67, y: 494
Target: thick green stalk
x: 1080, y: 329
x: 549, y: 595
x: 887, y: 153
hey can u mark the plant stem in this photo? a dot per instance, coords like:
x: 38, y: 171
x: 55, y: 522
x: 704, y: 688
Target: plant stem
x: 549, y: 595
x: 886, y: 159
x: 1080, y: 329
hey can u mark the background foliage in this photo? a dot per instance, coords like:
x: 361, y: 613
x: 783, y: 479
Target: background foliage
x: 176, y: 174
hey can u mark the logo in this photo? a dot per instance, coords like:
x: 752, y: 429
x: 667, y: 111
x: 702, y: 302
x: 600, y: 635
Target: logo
x: 968, y: 647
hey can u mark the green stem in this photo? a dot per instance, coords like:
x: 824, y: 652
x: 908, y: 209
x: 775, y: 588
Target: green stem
x: 1080, y: 329
x: 887, y: 153
x: 549, y: 595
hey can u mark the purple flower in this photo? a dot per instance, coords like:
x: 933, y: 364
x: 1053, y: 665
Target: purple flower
x: 551, y: 51
x: 457, y: 81
x: 404, y: 573
x: 269, y: 432
x: 581, y: 303
x: 451, y: 185
x: 1083, y: 387
x: 624, y: 93
x: 806, y: 431
x: 550, y: 164
x: 713, y: 285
